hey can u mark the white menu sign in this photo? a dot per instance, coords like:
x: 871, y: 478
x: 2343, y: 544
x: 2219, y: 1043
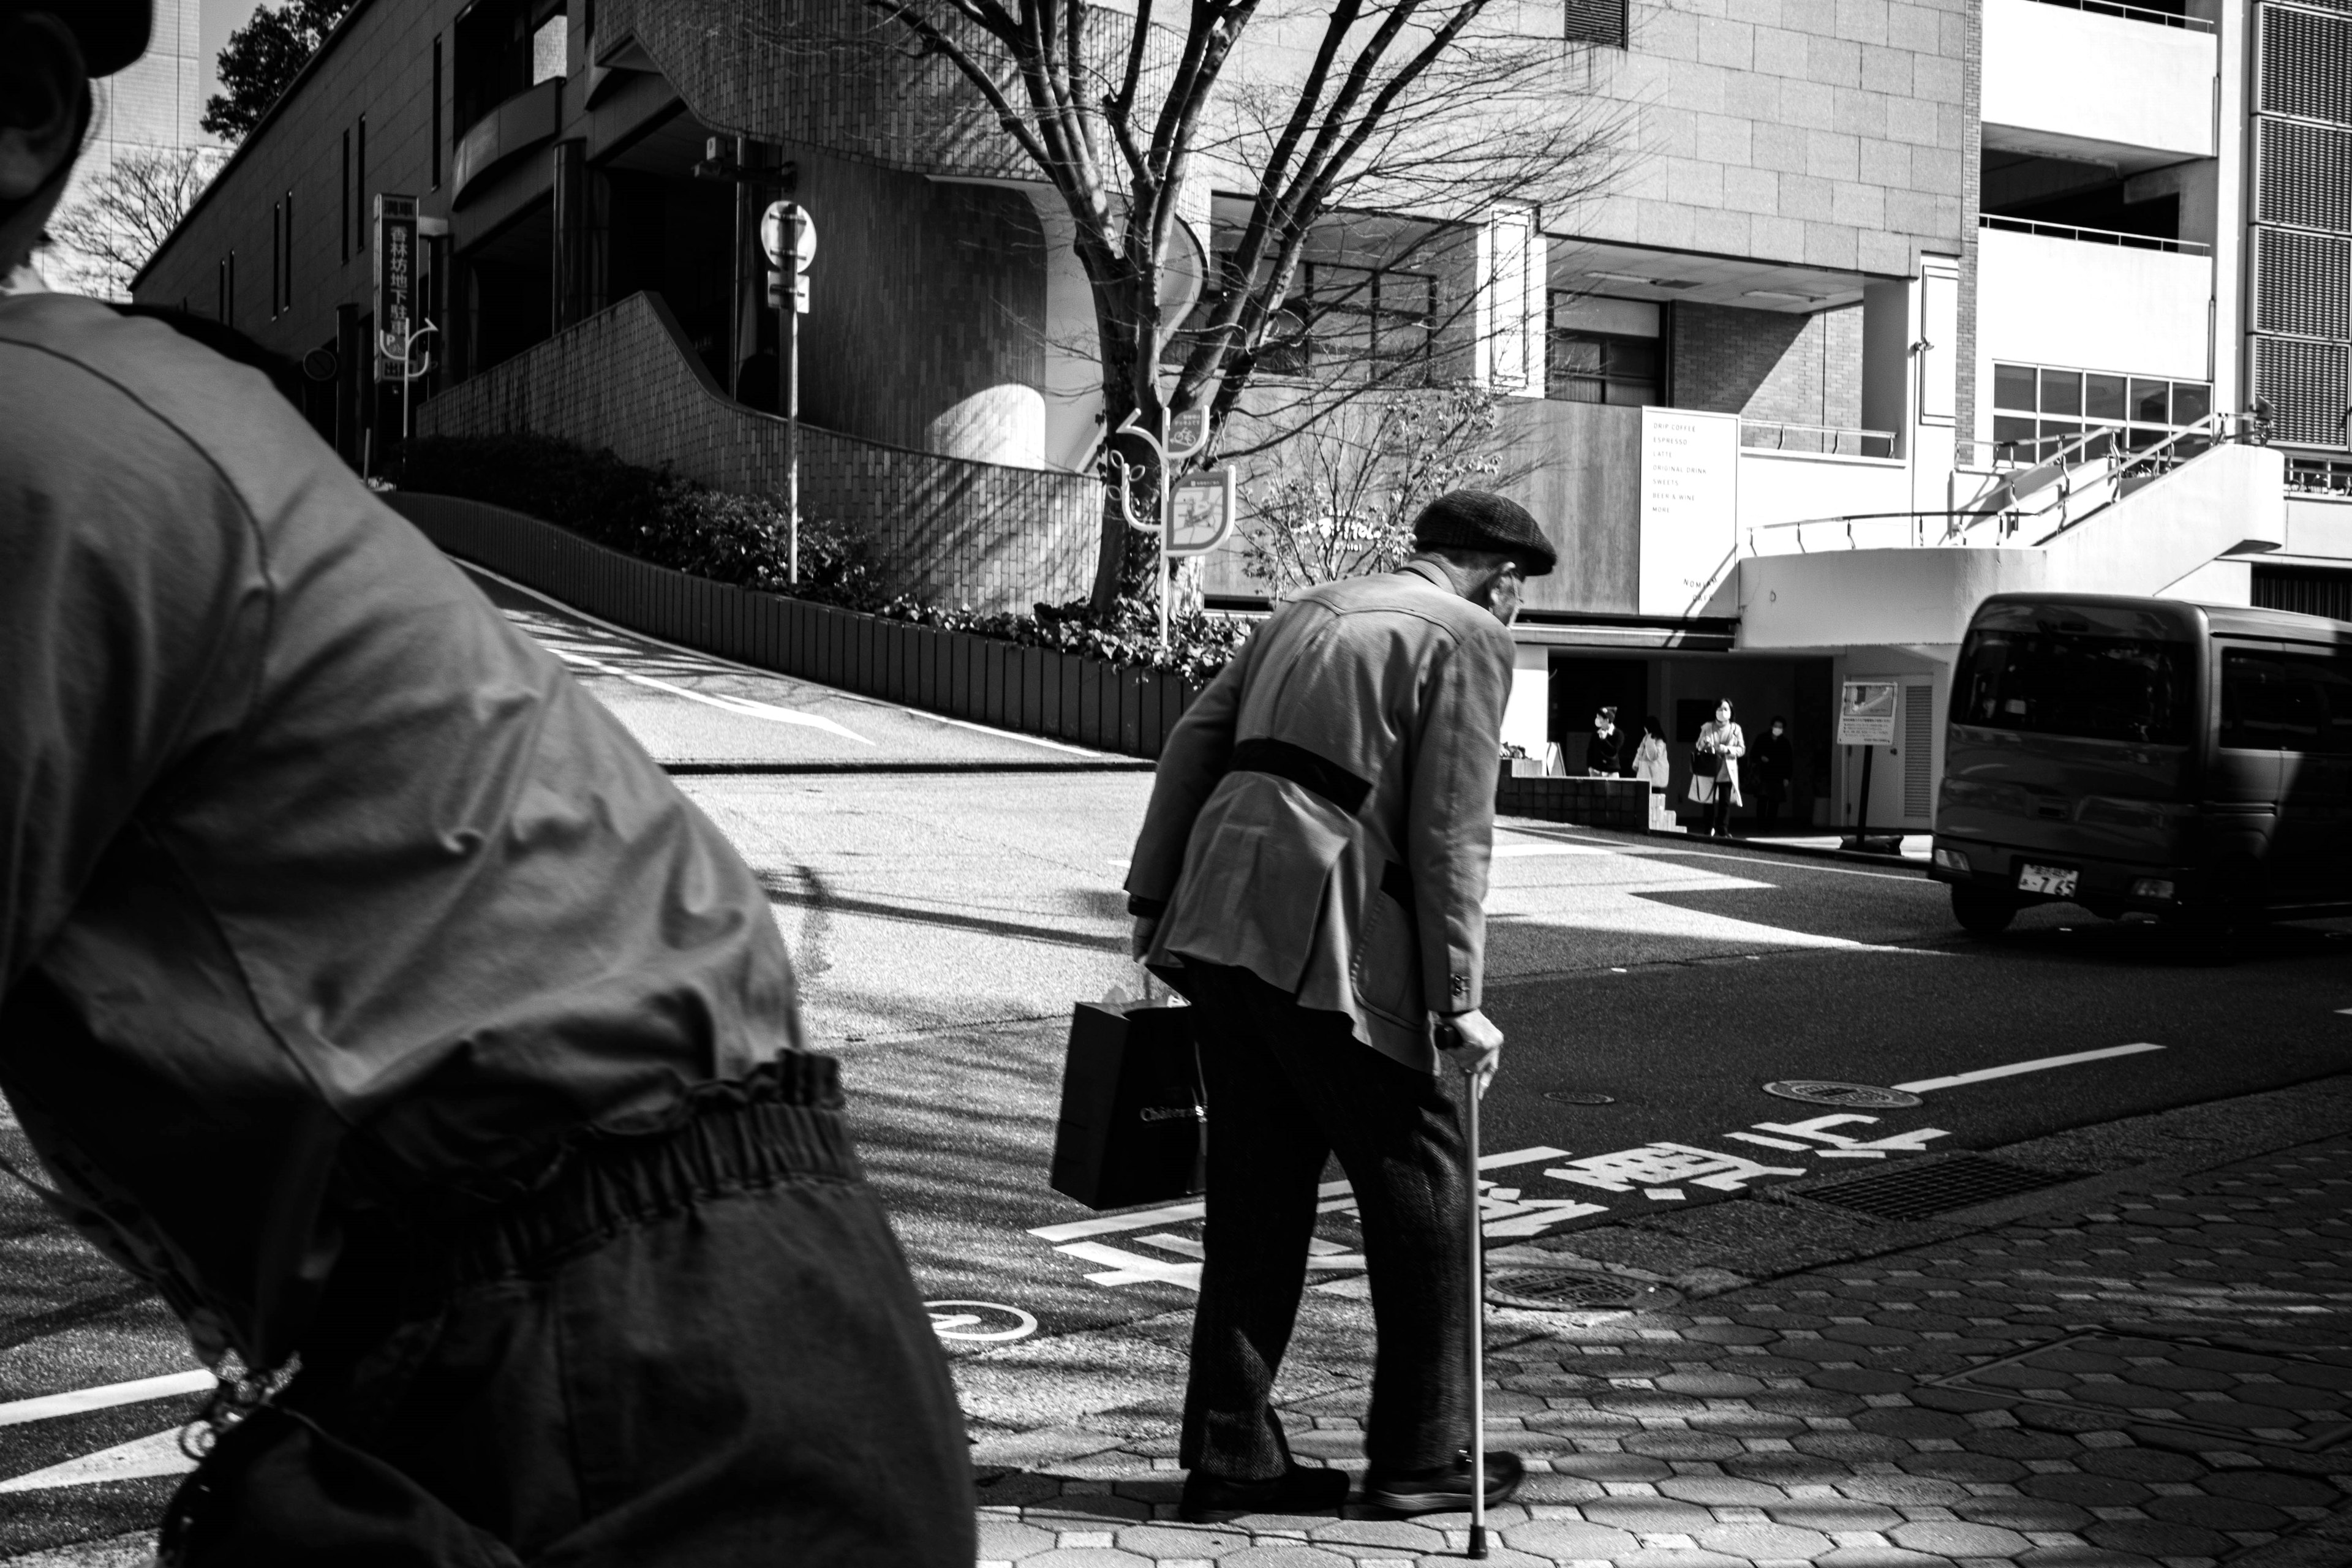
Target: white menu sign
x: 1690, y: 496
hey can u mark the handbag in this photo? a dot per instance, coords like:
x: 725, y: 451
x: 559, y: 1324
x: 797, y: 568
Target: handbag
x: 1706, y: 764
x: 1132, y: 1129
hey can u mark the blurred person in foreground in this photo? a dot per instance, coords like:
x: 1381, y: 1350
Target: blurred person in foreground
x: 367, y: 990
x: 1311, y: 872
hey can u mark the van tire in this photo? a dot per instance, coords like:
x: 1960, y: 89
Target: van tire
x: 1982, y: 913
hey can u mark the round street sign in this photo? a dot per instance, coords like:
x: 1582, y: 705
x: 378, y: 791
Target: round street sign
x: 782, y: 219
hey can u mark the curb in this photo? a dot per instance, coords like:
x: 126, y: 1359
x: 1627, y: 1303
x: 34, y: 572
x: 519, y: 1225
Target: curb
x: 1797, y: 852
x: 1749, y: 1239
x: 1080, y: 765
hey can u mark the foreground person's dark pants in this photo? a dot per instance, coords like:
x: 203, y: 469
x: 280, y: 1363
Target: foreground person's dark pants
x: 1288, y: 1086
x: 695, y: 1347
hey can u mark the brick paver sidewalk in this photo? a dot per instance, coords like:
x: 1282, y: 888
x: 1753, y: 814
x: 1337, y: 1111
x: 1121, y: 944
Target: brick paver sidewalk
x: 2164, y: 1379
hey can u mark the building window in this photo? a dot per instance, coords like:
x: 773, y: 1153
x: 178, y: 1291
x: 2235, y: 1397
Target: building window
x: 359, y: 186
x: 277, y: 252
x: 550, y: 43
x: 346, y: 235
x: 1601, y: 350
x: 2041, y: 410
x: 436, y: 113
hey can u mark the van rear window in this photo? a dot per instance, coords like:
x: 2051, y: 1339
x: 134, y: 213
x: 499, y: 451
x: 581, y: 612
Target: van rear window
x: 2066, y: 683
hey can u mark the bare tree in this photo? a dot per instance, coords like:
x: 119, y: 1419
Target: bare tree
x: 1436, y: 110
x: 128, y: 211
x: 1336, y: 494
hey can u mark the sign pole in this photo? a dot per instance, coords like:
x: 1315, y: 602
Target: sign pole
x: 1862, y: 805
x: 789, y: 309
x: 1166, y: 538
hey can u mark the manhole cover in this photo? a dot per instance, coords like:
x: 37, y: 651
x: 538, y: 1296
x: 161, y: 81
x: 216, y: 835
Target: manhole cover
x: 1579, y: 1096
x: 1917, y: 1192
x: 2297, y: 1397
x: 1853, y: 1096
x: 1574, y: 1290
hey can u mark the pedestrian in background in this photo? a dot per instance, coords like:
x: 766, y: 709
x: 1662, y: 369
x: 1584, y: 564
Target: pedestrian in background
x: 369, y: 993
x: 1605, y: 758
x: 1715, y: 770
x: 1650, y: 763
x: 1776, y: 762
x: 1311, y: 872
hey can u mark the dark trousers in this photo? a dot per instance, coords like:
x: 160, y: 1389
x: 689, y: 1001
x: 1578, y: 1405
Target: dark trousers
x: 697, y: 1347
x: 1287, y: 1086
x: 1718, y: 810
x: 1767, y: 803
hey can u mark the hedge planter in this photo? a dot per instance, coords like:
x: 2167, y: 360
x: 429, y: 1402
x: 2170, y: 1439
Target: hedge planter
x: 1033, y: 690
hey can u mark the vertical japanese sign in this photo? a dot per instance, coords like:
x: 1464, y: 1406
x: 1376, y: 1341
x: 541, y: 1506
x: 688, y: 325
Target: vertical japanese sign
x: 1690, y: 504
x: 1512, y: 305
x: 395, y: 283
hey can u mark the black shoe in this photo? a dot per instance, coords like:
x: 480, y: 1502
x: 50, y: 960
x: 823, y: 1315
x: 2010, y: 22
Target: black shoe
x: 1445, y: 1490
x: 1212, y: 1499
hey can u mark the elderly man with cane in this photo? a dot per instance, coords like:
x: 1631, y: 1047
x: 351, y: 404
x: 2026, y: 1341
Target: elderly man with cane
x: 368, y: 992
x: 1311, y: 873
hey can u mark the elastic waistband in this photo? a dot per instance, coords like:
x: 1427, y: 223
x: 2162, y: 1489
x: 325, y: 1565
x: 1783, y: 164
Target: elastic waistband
x: 1303, y: 768
x: 781, y: 1122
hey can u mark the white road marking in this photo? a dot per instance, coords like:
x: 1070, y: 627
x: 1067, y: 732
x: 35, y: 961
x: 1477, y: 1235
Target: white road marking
x: 158, y: 1455
x: 106, y: 1395
x: 1791, y: 863
x: 2039, y: 1064
x: 741, y: 705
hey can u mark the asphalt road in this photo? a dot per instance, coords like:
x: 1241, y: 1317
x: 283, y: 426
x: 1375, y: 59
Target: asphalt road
x: 945, y: 924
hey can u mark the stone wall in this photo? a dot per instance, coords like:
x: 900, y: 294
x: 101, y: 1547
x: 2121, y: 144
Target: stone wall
x: 957, y: 531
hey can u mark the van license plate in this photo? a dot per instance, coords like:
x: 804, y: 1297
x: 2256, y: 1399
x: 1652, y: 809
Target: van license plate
x: 2047, y: 879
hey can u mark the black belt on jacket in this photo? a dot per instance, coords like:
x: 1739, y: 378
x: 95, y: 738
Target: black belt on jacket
x: 1305, y: 769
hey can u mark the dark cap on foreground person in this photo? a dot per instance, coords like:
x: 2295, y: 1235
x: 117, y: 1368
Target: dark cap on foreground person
x: 1482, y: 520
x: 111, y: 33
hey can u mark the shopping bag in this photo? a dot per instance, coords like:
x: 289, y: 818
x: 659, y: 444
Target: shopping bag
x: 1131, y: 1126
x: 1705, y: 764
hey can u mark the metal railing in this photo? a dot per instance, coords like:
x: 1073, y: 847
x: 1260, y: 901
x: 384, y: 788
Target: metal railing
x: 1831, y: 440
x: 2319, y: 476
x: 2081, y: 478
x: 2136, y: 13
x: 2093, y: 236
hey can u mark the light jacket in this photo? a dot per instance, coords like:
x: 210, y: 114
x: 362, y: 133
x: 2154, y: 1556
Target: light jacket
x: 1650, y: 761
x: 321, y: 886
x: 1324, y: 815
x: 1728, y: 742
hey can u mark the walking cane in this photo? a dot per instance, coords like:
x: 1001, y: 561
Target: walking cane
x: 1477, y: 1336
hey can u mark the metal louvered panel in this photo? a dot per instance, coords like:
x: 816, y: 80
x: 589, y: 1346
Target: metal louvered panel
x: 2306, y: 176
x: 2302, y: 284
x: 2306, y: 590
x: 2304, y: 384
x: 1918, y: 752
x: 2306, y: 65
x: 1596, y: 21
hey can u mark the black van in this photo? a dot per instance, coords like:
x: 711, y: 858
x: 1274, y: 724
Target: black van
x: 2191, y: 761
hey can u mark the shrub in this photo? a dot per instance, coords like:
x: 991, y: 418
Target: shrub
x: 657, y: 517
x: 650, y: 513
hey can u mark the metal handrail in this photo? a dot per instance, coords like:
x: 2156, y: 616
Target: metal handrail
x: 2136, y: 13
x: 2092, y: 235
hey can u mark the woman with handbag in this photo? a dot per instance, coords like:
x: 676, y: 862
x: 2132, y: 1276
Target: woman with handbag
x: 1715, y: 770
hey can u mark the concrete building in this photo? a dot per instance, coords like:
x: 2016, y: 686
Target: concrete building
x: 1895, y: 301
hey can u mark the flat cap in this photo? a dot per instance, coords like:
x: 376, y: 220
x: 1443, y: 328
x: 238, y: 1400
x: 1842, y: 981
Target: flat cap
x: 1480, y: 519
x: 111, y: 33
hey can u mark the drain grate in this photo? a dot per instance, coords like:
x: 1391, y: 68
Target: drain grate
x: 1574, y: 1290
x: 1917, y: 1192
x: 1853, y: 1096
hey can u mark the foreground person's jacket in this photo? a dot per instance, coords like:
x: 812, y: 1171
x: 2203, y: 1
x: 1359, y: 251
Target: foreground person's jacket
x: 320, y: 885
x: 1323, y: 817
